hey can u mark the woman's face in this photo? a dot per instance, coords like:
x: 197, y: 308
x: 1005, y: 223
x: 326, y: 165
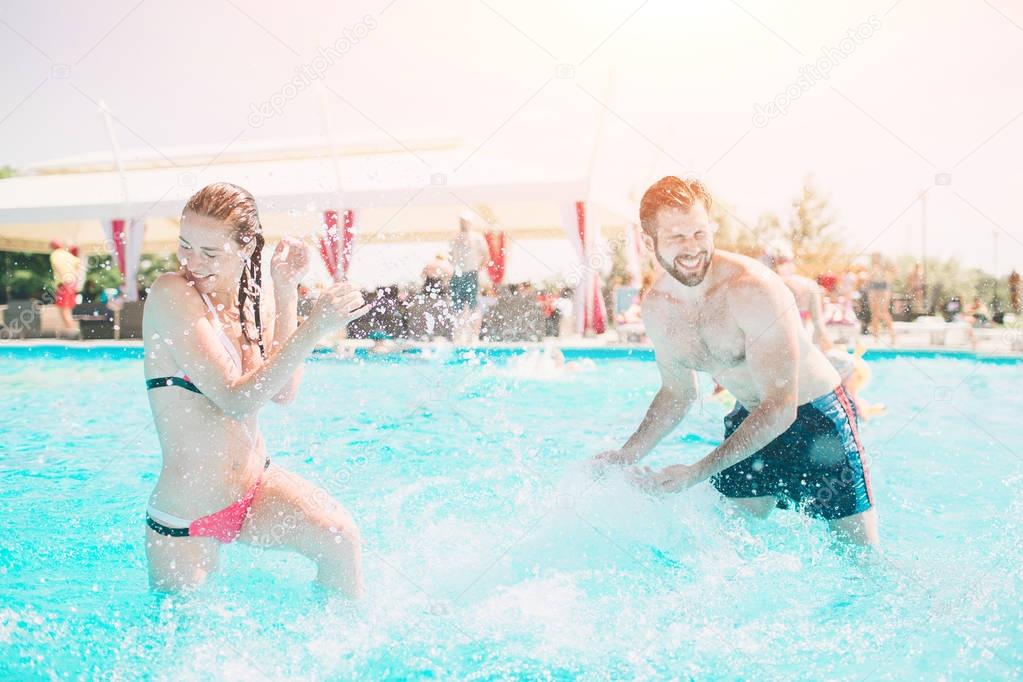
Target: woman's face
x: 209, y: 257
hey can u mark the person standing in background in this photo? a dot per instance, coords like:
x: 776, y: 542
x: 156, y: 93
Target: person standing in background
x: 437, y: 274
x: 915, y: 289
x: 1014, y: 292
x: 65, y: 280
x: 469, y: 253
x: 807, y: 293
x: 879, y: 297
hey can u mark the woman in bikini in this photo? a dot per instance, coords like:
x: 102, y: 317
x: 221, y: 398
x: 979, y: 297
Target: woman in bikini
x: 218, y: 346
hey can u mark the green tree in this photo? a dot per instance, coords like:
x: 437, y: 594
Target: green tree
x: 810, y: 231
x: 29, y: 276
x: 25, y: 275
x: 103, y: 272
x: 735, y: 235
x: 947, y: 279
x: 153, y: 265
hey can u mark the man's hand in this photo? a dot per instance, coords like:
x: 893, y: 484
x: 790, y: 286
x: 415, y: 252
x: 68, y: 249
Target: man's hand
x: 616, y: 457
x: 609, y: 458
x: 671, y: 479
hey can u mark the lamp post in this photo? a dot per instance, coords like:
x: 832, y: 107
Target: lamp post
x: 994, y: 264
x: 923, y: 249
x: 130, y: 288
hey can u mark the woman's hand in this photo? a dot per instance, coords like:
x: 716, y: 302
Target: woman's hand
x: 289, y: 264
x: 671, y: 479
x: 338, y: 305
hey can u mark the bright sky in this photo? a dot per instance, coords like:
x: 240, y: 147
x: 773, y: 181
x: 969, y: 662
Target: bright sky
x: 926, y: 97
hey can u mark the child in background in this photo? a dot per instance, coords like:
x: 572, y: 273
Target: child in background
x: 855, y: 374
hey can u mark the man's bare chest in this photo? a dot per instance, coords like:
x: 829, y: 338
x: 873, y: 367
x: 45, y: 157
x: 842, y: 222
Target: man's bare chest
x: 704, y: 341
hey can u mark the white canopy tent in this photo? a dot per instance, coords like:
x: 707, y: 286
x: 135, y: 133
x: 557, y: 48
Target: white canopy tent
x: 398, y: 195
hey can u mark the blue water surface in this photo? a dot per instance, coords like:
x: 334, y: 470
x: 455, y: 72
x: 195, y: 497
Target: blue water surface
x: 490, y: 554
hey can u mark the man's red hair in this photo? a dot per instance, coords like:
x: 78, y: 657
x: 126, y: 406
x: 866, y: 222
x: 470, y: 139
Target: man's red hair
x: 671, y: 192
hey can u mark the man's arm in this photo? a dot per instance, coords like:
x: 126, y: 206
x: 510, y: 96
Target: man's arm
x: 677, y: 393
x: 767, y: 315
x: 679, y: 389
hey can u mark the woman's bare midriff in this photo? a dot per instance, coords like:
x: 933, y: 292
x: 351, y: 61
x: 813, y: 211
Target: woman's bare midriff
x: 209, y: 458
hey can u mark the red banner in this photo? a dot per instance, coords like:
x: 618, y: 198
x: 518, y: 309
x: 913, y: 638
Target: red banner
x: 335, y: 246
x: 593, y: 302
x: 496, y: 248
x: 117, y: 233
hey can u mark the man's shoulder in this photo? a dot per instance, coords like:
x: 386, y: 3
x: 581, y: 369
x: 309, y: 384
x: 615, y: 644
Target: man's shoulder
x: 657, y: 310
x: 754, y: 289
x: 748, y: 276
x: 800, y: 283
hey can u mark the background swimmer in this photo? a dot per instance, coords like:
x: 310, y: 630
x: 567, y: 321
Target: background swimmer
x: 855, y: 374
x: 547, y: 362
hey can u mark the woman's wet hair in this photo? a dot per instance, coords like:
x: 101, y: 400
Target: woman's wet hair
x: 234, y: 206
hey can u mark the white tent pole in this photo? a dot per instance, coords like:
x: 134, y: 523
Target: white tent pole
x: 116, y: 150
x: 599, y: 134
x: 328, y: 133
x: 339, y: 208
x: 131, y: 259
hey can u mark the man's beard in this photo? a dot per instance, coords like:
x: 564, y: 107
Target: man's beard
x: 688, y: 277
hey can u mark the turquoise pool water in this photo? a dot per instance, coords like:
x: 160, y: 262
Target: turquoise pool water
x: 490, y: 555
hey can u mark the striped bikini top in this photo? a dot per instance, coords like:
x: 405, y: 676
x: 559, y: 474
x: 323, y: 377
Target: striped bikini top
x: 180, y: 379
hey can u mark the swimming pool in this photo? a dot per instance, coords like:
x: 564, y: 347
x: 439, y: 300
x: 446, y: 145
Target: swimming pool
x: 489, y: 553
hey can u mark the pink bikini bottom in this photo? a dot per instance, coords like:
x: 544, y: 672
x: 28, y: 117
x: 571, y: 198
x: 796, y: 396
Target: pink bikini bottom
x: 224, y: 525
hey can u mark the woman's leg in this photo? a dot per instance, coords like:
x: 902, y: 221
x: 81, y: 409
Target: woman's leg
x: 291, y: 513
x: 875, y: 314
x: 177, y: 564
x: 886, y: 304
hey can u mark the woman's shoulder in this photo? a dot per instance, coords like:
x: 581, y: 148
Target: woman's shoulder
x: 171, y: 293
x: 168, y: 279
